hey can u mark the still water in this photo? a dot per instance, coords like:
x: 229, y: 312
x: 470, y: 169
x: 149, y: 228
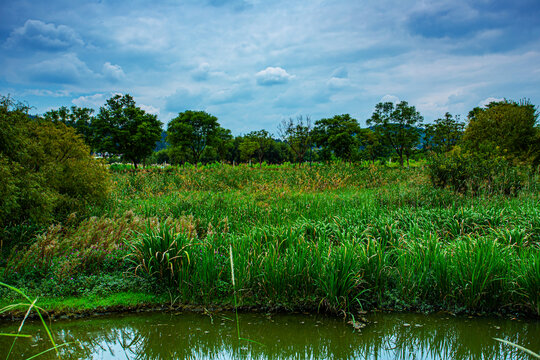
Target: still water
x: 276, y: 336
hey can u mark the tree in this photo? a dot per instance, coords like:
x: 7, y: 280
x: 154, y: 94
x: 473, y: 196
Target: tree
x: 47, y: 170
x: 78, y: 118
x: 444, y: 134
x: 191, y: 132
x: 398, y: 126
x: 297, y: 134
x: 373, y: 145
x: 338, y: 135
x: 278, y: 153
x: 507, y: 128
x: 224, y: 144
x: 256, y: 143
x: 121, y: 128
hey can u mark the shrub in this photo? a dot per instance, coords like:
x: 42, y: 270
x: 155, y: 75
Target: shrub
x: 162, y: 253
x: 47, y: 171
x: 468, y: 172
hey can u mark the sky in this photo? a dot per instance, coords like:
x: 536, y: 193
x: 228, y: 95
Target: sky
x: 254, y: 63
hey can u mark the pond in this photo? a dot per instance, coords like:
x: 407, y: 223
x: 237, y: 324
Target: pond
x: 276, y: 336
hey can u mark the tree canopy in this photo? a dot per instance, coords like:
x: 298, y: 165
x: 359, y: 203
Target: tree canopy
x: 444, y: 134
x: 46, y: 169
x: 297, y: 134
x: 121, y: 128
x: 507, y: 128
x: 191, y: 132
x: 78, y: 118
x: 338, y: 135
x: 398, y: 126
x: 256, y: 143
x: 372, y: 144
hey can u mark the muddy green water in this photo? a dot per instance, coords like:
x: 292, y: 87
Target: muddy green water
x: 198, y: 336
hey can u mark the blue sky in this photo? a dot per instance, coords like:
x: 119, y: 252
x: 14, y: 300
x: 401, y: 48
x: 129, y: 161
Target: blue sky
x: 253, y: 63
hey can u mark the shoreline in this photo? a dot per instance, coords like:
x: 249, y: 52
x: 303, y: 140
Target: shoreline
x: 132, y: 303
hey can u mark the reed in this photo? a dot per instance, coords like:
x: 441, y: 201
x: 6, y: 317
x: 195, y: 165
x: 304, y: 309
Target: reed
x: 326, y: 236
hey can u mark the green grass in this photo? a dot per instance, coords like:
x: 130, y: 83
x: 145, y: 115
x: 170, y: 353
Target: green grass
x: 324, y: 237
x: 72, y: 304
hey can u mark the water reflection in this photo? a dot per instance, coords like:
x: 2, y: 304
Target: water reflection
x: 194, y: 336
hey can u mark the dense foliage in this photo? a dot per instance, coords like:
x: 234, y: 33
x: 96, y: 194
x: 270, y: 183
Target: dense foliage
x: 499, y: 147
x: 46, y: 170
x: 332, y: 237
x: 190, y: 133
x: 398, y: 125
x: 337, y: 136
x: 505, y: 128
x: 121, y: 128
x: 443, y: 134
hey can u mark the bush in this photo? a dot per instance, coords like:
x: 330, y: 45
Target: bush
x: 468, y: 172
x: 46, y: 170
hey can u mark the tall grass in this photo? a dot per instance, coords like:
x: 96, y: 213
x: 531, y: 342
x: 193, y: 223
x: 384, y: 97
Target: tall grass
x: 334, y: 237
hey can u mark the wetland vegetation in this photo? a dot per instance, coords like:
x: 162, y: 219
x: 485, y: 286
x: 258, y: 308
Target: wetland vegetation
x: 344, y: 228
x: 332, y: 237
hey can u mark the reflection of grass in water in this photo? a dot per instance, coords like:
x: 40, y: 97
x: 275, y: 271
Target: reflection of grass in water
x: 31, y: 306
x: 530, y: 352
x: 235, y: 303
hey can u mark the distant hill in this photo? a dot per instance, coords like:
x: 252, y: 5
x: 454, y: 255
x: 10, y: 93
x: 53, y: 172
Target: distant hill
x: 162, y: 144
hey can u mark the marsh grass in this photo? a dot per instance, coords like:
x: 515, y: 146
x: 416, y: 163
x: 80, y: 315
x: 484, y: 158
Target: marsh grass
x: 161, y: 253
x: 330, y: 237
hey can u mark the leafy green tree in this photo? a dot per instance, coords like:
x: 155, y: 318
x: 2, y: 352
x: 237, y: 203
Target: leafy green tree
x: 47, y: 170
x: 373, y: 145
x: 338, y: 135
x: 507, y: 128
x: 191, y: 132
x: 297, y: 134
x: 256, y: 143
x: 279, y: 152
x: 247, y: 149
x: 444, y: 134
x: 158, y: 157
x: 224, y: 144
x: 121, y: 128
x: 78, y: 118
x: 398, y: 126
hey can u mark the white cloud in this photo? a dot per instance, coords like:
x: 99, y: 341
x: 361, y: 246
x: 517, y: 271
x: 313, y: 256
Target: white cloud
x: 39, y: 35
x: 46, y: 92
x: 390, y: 98
x: 149, y: 109
x: 91, y: 101
x: 65, y: 69
x: 345, y: 55
x: 488, y: 100
x: 338, y: 83
x: 113, y: 72
x: 141, y: 34
x: 272, y: 76
x: 230, y: 95
x: 183, y: 99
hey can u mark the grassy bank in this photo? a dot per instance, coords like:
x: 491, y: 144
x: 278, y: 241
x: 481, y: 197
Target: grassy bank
x: 334, y: 238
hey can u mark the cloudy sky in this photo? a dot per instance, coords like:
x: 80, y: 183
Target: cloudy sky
x: 253, y: 63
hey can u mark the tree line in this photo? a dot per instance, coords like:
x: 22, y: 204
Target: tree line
x: 47, y: 170
x: 395, y: 131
